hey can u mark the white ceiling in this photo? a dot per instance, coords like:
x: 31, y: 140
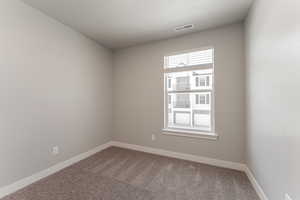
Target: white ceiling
x: 122, y: 23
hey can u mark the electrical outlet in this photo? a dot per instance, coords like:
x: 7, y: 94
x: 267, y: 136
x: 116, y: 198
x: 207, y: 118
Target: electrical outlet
x: 55, y: 150
x: 287, y: 197
x: 153, y: 137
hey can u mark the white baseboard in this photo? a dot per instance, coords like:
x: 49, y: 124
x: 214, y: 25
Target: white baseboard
x: 255, y: 184
x: 183, y: 156
x: 4, y: 191
x: 200, y: 159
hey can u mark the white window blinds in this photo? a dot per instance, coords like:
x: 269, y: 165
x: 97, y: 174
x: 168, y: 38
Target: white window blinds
x: 189, y: 59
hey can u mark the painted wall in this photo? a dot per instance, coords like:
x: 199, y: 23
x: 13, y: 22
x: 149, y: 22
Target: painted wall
x: 138, y: 94
x: 273, y: 79
x: 55, y: 89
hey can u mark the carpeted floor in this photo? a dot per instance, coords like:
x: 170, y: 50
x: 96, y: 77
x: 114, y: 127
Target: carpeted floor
x: 120, y: 174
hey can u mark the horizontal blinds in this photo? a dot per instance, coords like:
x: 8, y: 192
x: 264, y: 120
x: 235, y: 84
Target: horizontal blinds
x: 189, y: 59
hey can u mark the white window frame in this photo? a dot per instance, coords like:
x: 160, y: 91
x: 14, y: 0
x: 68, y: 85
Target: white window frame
x: 202, y: 134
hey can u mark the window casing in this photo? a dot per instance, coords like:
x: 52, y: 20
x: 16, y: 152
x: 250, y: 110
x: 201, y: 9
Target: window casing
x: 192, y: 91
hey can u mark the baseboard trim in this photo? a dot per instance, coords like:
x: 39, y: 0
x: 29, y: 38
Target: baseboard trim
x: 199, y: 159
x: 4, y: 191
x: 260, y: 192
x: 183, y: 156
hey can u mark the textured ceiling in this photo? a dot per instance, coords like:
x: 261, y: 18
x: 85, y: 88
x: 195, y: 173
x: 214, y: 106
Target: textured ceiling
x: 122, y: 23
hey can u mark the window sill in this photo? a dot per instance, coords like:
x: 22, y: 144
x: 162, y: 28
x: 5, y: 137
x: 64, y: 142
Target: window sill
x: 191, y: 134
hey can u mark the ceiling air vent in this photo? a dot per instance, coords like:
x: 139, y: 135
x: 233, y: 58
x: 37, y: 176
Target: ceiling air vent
x: 184, y: 27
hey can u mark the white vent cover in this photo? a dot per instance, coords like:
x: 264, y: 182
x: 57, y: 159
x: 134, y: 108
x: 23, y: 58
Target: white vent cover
x: 184, y: 27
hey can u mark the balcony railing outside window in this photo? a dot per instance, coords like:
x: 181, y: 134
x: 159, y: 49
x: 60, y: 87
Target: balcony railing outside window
x: 181, y: 86
x: 182, y: 104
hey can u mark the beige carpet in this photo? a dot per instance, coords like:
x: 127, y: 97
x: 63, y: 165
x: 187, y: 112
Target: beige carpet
x: 119, y: 174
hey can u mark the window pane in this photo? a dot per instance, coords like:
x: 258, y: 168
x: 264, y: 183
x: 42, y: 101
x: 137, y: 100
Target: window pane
x: 182, y: 101
x: 182, y: 118
x: 190, y: 80
x: 204, y: 103
x: 190, y: 91
x: 183, y: 82
x: 190, y: 110
x: 201, y: 119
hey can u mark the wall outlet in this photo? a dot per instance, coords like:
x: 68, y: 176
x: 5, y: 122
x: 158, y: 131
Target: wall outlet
x: 287, y: 197
x: 55, y: 150
x: 153, y: 137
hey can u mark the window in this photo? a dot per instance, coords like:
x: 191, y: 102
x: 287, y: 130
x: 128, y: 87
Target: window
x: 197, y: 81
x: 182, y: 101
x: 182, y: 83
x: 197, y: 99
x: 169, y: 83
x: 189, y: 102
x: 202, y: 99
x: 169, y: 99
x: 202, y: 80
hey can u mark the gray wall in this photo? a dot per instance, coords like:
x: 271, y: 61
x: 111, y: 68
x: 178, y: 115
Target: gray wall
x: 138, y: 94
x: 273, y: 79
x: 55, y: 89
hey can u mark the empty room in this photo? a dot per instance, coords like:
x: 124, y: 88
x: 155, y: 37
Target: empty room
x: 149, y: 99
